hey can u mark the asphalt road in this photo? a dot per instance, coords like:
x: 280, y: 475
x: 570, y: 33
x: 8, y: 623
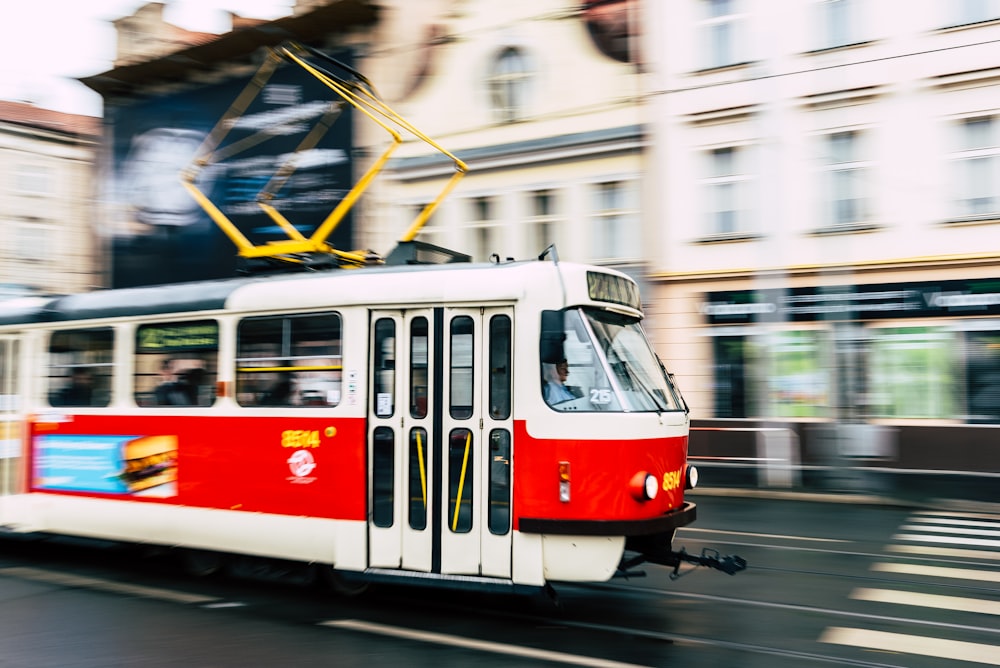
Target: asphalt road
x: 828, y: 584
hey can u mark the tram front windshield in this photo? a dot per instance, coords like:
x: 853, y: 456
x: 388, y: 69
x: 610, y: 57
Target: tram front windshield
x: 607, y: 365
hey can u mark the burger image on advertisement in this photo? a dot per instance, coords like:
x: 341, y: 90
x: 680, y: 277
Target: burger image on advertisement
x: 149, y: 461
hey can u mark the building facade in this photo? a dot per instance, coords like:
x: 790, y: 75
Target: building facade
x: 47, y: 199
x: 827, y: 209
x: 541, y: 99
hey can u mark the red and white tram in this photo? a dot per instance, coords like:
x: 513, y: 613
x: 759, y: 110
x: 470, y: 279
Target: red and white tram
x: 504, y: 424
x: 385, y: 422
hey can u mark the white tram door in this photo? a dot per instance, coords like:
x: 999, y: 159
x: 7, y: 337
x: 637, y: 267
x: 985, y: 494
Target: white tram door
x: 440, y: 445
x: 11, y: 420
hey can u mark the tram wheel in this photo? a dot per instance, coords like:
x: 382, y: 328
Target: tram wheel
x: 341, y: 584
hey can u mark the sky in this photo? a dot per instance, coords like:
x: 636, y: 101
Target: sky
x: 46, y: 44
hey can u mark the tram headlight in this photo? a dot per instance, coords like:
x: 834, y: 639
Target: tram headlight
x: 691, y: 477
x: 644, y: 486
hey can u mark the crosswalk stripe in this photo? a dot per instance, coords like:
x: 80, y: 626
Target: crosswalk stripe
x: 932, y: 551
x: 938, y: 572
x: 953, y: 522
x: 950, y: 540
x: 962, y: 603
x: 941, y: 648
x: 963, y: 531
x: 956, y: 513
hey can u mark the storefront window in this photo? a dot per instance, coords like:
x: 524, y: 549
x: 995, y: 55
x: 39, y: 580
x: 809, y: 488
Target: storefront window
x: 982, y: 377
x: 799, y: 381
x: 913, y: 373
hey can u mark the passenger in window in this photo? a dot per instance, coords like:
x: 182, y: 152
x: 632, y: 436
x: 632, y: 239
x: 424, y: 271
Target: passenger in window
x: 555, y: 390
x: 169, y: 392
x: 189, y: 382
x: 79, y: 392
x: 181, y: 388
x: 279, y: 394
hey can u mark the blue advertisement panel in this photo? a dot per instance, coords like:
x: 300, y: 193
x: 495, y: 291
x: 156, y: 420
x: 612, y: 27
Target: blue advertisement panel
x: 140, y: 465
x: 157, y: 231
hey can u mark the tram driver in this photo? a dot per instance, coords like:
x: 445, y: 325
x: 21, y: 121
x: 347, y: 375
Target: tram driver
x: 555, y: 375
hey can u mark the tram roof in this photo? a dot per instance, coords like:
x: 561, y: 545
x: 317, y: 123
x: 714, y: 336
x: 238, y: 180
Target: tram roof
x: 219, y: 294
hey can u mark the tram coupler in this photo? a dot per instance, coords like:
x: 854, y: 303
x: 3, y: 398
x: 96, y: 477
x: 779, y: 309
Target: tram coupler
x: 709, y: 557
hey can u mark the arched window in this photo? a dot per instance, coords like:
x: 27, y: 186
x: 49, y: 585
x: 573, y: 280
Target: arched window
x: 509, y: 83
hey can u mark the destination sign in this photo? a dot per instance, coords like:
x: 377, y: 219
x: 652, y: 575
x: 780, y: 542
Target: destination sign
x: 613, y: 289
x: 187, y: 336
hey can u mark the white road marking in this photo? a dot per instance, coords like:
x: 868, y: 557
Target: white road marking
x: 952, y: 650
x: 939, y: 572
x: 945, y: 513
x: 477, y: 645
x: 963, y: 523
x: 69, y: 580
x: 961, y: 603
x: 949, y: 540
x: 943, y: 551
x: 764, y: 535
x: 952, y: 530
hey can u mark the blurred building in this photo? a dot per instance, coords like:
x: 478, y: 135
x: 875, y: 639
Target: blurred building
x: 47, y: 198
x: 541, y: 99
x: 826, y: 211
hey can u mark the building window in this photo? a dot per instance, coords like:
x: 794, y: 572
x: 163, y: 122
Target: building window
x: 543, y: 222
x: 982, y: 377
x: 976, y: 172
x: 721, y: 33
x: 913, y: 372
x: 839, y: 23
x: 432, y: 231
x: 726, y: 189
x: 964, y: 12
x: 845, y: 175
x: 616, y: 233
x: 33, y: 180
x: 509, y: 85
x: 32, y: 242
x: 486, y: 232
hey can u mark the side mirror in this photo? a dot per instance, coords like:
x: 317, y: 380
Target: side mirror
x: 552, y: 338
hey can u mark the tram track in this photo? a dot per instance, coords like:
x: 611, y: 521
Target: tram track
x: 679, y: 639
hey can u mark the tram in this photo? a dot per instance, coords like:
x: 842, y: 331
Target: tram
x: 495, y: 425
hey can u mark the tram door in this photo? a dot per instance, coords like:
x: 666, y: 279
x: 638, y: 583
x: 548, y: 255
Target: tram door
x: 10, y: 420
x: 440, y: 447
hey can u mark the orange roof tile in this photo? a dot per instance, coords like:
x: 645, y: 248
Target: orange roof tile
x: 23, y: 113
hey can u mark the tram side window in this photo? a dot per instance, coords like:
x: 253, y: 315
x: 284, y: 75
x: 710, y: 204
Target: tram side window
x: 80, y: 367
x: 460, y: 477
x: 418, y: 479
x: 418, y: 368
x: 500, y: 367
x: 176, y: 363
x: 383, y: 477
x: 499, y: 518
x: 461, y: 379
x: 384, y: 360
x: 289, y: 360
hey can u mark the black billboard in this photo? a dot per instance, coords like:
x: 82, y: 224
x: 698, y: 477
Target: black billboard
x: 159, y: 234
